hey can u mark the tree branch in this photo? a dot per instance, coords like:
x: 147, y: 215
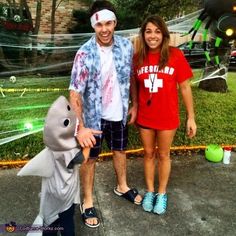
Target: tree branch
x: 59, y: 4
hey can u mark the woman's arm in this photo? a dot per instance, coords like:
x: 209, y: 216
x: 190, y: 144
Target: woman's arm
x: 186, y: 92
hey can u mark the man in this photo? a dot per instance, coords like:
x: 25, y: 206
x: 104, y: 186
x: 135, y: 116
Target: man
x: 99, y: 94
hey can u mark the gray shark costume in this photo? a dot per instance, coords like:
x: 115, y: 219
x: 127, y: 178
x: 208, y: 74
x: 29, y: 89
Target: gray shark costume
x: 56, y: 164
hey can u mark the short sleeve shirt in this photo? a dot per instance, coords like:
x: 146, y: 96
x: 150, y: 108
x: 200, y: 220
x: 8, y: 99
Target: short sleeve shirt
x: 161, y: 88
x: 86, y: 77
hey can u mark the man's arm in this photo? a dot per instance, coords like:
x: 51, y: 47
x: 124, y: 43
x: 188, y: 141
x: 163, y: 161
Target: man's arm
x: 77, y: 105
x: 85, y: 136
x: 133, y: 91
x: 134, y: 100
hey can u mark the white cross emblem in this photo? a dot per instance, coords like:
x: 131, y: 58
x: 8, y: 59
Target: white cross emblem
x: 153, y: 83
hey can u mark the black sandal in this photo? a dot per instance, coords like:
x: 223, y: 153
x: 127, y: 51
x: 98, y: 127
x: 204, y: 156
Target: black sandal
x: 130, y: 195
x: 87, y: 214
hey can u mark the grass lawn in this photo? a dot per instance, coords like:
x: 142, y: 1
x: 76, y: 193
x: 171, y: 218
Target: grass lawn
x: 215, y: 114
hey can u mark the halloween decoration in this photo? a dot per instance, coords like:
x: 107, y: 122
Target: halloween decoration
x: 219, y: 17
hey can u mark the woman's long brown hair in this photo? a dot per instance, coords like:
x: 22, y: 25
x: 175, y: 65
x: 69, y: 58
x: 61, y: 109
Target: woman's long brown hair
x: 142, y: 48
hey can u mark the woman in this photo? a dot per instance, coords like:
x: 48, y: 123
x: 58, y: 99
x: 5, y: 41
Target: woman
x: 159, y: 70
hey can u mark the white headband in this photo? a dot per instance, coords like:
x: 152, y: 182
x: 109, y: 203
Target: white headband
x: 103, y: 15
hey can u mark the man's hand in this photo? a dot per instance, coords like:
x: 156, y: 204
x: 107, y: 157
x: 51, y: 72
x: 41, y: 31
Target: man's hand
x: 85, y: 137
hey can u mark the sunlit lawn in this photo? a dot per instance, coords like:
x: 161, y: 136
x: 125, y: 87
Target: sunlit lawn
x: 215, y: 114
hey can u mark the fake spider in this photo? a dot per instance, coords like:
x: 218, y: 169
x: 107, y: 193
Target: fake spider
x: 221, y: 17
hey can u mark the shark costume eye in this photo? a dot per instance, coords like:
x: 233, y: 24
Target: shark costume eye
x: 66, y: 122
x: 68, y: 108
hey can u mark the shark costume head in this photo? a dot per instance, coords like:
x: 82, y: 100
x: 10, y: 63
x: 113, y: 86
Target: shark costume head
x: 60, y: 125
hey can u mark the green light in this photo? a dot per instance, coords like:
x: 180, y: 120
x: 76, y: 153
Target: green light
x: 28, y: 126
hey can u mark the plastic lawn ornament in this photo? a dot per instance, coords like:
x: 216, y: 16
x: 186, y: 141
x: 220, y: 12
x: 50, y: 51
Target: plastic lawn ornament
x: 12, y: 79
x: 214, y: 153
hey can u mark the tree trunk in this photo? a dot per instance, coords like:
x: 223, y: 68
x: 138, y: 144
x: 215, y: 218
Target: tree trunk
x: 36, y: 31
x: 28, y: 13
x: 54, y: 2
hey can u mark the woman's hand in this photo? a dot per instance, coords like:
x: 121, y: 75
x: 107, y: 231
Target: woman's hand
x: 191, y: 127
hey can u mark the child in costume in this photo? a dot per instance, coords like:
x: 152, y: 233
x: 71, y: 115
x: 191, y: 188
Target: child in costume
x: 57, y: 164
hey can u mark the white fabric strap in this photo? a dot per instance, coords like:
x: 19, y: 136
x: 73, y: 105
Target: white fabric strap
x: 103, y: 15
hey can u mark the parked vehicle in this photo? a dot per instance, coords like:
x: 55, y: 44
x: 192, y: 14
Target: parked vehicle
x: 232, y: 60
x: 196, y: 55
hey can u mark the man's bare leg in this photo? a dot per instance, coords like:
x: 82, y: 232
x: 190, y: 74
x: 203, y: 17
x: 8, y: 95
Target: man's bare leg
x: 120, y: 166
x: 87, y: 179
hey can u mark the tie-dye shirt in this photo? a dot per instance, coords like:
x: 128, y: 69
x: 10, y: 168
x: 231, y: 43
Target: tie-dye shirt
x: 86, y: 77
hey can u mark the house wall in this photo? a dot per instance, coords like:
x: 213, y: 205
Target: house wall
x: 63, y: 16
x: 175, y: 39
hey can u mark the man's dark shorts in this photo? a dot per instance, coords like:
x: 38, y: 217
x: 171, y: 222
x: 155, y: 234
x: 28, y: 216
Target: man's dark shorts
x: 115, y: 134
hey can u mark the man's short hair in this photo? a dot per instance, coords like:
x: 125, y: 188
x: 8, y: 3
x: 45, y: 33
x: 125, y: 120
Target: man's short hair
x: 101, y: 5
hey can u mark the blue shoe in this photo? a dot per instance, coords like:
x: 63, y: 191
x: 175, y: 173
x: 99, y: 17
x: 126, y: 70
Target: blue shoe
x: 148, y: 201
x: 161, y: 204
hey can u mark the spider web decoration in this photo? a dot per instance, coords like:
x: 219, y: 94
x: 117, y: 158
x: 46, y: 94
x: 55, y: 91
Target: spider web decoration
x: 60, y: 52
x: 53, y: 57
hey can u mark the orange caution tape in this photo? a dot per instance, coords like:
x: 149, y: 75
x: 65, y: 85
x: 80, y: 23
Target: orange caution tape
x: 107, y: 154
